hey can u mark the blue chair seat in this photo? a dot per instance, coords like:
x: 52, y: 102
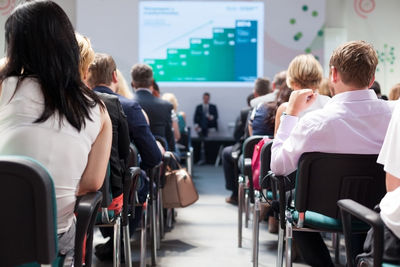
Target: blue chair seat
x: 319, y: 221
x: 389, y: 265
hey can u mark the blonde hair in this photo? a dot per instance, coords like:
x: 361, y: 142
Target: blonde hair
x: 324, y: 87
x: 123, y: 88
x: 86, y: 52
x: 355, y: 62
x: 171, y: 99
x: 305, y: 72
x: 394, y: 93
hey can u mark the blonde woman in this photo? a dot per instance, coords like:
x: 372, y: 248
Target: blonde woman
x: 123, y: 88
x: 178, y: 118
x: 304, y: 72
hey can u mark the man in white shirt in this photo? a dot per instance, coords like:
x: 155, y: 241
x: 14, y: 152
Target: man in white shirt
x: 353, y: 121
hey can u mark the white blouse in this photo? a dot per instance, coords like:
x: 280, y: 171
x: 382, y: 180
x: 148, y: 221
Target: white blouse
x: 59, y: 147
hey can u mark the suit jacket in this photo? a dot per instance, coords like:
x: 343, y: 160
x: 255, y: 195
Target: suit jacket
x: 241, y: 129
x: 201, y: 119
x: 159, y: 113
x: 120, y: 142
x: 139, y: 130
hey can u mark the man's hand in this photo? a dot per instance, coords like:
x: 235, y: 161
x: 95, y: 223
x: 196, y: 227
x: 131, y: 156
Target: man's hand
x: 300, y: 100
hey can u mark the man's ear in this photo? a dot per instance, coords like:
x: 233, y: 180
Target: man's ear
x: 133, y: 85
x: 372, y: 81
x: 333, y: 75
x: 114, y: 77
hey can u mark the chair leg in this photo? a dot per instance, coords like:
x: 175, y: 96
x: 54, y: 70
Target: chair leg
x: 153, y: 233
x: 117, y: 242
x: 246, y: 208
x: 289, y: 238
x: 281, y: 236
x: 169, y: 218
x: 189, y: 162
x: 256, y: 221
x: 127, y: 246
x: 336, y: 246
x: 143, y: 236
x: 158, y: 220
x: 161, y: 208
x: 240, y: 211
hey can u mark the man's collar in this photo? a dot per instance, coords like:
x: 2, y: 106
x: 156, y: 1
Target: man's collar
x: 104, y: 89
x: 144, y: 89
x: 356, y: 95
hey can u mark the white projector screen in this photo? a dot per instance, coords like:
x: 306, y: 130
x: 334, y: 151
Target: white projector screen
x: 202, y: 43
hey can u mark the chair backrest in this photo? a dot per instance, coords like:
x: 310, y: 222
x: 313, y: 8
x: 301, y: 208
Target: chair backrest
x: 28, y: 227
x: 325, y: 178
x: 133, y: 159
x: 265, y: 159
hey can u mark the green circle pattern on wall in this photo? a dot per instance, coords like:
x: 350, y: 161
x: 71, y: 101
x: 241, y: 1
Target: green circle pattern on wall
x: 305, y: 8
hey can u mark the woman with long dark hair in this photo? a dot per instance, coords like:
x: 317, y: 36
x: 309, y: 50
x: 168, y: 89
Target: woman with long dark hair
x: 47, y: 113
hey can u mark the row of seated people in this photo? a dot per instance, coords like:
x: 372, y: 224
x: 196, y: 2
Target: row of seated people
x: 59, y: 106
x: 353, y: 121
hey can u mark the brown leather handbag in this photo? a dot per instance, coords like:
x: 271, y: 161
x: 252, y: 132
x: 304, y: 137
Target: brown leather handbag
x: 179, y: 190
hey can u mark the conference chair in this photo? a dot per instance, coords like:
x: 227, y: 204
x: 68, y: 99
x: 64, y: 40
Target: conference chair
x: 112, y: 218
x: 186, y: 149
x: 28, y: 232
x: 245, y: 184
x: 323, y: 179
x: 265, y: 160
x: 350, y: 208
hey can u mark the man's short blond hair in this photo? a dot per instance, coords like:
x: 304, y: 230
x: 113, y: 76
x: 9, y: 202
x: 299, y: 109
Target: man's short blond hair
x: 86, y: 53
x: 142, y: 75
x: 305, y: 72
x: 101, y: 70
x: 356, y: 63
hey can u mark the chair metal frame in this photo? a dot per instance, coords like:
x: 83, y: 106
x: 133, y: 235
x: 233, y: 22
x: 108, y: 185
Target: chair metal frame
x: 347, y: 176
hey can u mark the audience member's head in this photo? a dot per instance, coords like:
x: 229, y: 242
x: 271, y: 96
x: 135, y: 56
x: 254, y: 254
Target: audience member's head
x: 156, y: 89
x: 353, y: 66
x: 171, y: 99
x: 249, y: 98
x: 394, y: 92
x: 123, y: 88
x: 86, y: 55
x: 142, y: 76
x: 325, y: 87
x: 262, y: 86
x: 304, y: 72
x: 41, y: 42
x: 102, y: 72
x: 377, y: 88
x: 206, y: 98
x: 279, y: 80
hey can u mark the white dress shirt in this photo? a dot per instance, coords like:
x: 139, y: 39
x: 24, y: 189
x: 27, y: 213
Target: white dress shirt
x: 389, y: 157
x: 352, y: 122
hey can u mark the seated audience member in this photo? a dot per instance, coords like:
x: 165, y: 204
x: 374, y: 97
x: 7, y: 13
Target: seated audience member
x: 103, y: 79
x: 159, y: 111
x: 354, y: 121
x: 325, y: 87
x: 240, y: 134
x: 47, y: 112
x: 205, y: 116
x: 394, y: 92
x: 155, y: 89
x: 123, y: 88
x: 178, y: 124
x: 390, y: 204
x: 377, y: 88
x: 304, y: 72
x: 279, y: 78
x: 120, y: 139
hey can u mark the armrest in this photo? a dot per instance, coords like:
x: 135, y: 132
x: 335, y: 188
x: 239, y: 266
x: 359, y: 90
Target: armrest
x: 350, y: 208
x: 247, y: 167
x: 130, y: 184
x: 86, y: 211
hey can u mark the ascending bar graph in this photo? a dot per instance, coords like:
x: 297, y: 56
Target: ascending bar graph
x: 216, y: 49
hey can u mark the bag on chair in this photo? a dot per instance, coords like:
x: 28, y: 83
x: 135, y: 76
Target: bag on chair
x: 179, y: 190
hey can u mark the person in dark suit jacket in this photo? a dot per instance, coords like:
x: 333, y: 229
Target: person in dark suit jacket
x: 205, y: 116
x: 103, y: 79
x: 159, y: 111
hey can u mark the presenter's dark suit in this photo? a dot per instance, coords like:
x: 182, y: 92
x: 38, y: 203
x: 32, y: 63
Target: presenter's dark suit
x: 159, y: 113
x: 201, y: 119
x: 139, y: 130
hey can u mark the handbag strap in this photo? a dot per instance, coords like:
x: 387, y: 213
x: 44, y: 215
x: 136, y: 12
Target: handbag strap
x: 173, y: 157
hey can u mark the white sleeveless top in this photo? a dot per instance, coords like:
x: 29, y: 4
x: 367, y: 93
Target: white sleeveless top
x: 62, y: 150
